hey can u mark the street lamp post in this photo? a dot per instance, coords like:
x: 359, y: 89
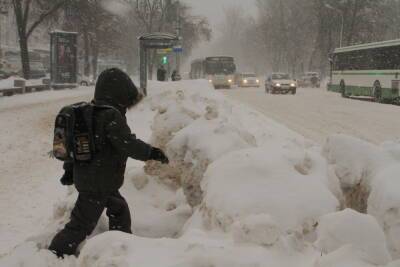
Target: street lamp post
x: 342, y: 27
x: 341, y: 30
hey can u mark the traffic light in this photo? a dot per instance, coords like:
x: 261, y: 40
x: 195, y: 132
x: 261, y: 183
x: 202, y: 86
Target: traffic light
x: 164, y: 60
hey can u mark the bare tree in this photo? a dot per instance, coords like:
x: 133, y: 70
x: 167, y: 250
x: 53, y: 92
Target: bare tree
x: 162, y: 15
x: 26, y: 24
x: 100, y: 31
x: 151, y: 16
x: 297, y: 36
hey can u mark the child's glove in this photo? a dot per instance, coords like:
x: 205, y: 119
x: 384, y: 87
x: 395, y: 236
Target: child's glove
x: 158, y: 155
x: 67, y: 178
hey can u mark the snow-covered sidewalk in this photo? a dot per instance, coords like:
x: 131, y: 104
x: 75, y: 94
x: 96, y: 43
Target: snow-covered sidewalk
x: 9, y: 82
x: 241, y: 190
x: 28, y: 177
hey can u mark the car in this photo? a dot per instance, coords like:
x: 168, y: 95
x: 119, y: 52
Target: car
x: 38, y: 70
x: 176, y: 77
x: 85, y: 80
x: 221, y: 80
x: 4, y: 75
x: 8, y: 68
x: 247, y: 80
x: 279, y: 82
x: 310, y: 79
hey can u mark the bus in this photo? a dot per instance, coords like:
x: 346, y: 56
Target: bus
x: 218, y: 70
x: 369, y: 70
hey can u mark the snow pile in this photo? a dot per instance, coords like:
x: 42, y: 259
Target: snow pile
x: 241, y: 191
x: 368, y: 176
x: 169, y: 120
x: 384, y: 204
x: 259, y: 229
x: 357, y: 231
x: 157, y: 211
x: 34, y: 251
x: 266, y: 181
x: 9, y: 82
x: 355, y: 163
x: 199, y: 144
x: 345, y: 256
x: 30, y: 255
x: 119, y: 249
x: 192, y: 126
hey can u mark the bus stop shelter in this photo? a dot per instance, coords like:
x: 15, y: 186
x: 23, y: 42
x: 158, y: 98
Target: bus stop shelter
x: 153, y: 41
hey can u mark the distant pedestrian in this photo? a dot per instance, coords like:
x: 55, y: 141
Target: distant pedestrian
x: 161, y: 74
x: 175, y: 76
x: 104, y: 151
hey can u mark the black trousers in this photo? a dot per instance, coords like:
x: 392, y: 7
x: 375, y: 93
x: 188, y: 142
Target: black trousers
x: 84, y: 217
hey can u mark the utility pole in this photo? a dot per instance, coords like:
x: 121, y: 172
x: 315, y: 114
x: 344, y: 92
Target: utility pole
x: 178, y: 28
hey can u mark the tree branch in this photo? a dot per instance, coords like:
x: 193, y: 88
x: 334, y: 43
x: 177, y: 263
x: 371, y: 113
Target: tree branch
x: 25, y: 13
x: 43, y: 16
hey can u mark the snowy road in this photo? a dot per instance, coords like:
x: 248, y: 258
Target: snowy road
x: 26, y: 137
x: 316, y: 114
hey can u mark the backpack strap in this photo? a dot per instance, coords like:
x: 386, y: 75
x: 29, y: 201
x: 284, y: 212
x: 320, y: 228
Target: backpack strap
x: 105, y: 107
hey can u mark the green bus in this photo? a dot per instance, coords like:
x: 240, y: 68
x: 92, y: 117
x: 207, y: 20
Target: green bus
x: 369, y: 70
x: 218, y: 70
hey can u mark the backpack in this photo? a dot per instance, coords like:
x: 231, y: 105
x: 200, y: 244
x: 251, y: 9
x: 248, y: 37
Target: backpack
x: 73, y: 133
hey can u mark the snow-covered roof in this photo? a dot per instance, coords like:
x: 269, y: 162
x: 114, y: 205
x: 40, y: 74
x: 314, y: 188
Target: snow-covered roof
x: 158, y: 36
x: 368, y: 46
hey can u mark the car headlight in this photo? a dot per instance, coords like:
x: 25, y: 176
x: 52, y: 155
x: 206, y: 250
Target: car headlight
x: 293, y: 85
x: 278, y: 85
x: 245, y: 81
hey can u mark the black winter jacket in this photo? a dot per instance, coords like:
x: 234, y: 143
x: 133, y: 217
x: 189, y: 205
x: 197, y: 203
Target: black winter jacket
x: 113, y: 138
x: 161, y: 74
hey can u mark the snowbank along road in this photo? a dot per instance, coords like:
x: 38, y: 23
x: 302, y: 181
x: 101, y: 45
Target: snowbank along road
x: 316, y: 114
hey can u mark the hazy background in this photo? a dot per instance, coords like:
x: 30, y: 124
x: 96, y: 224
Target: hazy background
x: 214, y: 10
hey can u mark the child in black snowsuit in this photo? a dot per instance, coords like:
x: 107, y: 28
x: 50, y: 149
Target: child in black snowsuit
x: 98, y: 181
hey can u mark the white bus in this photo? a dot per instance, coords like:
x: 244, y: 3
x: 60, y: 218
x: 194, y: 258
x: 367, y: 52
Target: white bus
x: 368, y: 70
